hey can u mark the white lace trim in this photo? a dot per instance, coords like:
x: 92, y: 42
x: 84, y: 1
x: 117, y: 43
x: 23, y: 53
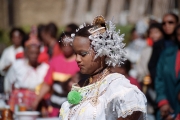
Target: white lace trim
x: 129, y: 112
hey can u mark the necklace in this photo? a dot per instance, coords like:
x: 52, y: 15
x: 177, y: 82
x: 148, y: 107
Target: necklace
x: 93, y: 100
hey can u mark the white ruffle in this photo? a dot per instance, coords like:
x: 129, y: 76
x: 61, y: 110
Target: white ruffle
x: 126, y: 99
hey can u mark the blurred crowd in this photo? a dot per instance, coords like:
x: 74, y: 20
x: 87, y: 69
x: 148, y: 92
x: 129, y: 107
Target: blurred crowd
x: 38, y: 69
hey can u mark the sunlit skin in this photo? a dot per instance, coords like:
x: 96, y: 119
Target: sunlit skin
x: 169, y: 27
x: 85, y: 56
x: 155, y: 34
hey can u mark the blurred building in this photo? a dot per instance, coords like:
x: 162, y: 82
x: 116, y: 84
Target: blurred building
x: 30, y: 12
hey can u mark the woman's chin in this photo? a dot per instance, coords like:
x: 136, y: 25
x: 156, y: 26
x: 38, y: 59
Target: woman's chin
x: 83, y: 71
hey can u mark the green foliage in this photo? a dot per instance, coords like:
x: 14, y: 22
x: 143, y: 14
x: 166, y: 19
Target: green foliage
x: 4, y: 37
x: 125, y: 30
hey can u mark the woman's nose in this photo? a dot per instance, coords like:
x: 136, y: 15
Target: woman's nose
x: 78, y: 58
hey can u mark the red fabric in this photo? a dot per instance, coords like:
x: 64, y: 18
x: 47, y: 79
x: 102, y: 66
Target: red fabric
x: 149, y: 42
x: 56, y: 50
x: 53, y: 112
x: 162, y: 102
x: 43, y: 56
x: 28, y: 97
x: 134, y: 82
x: 177, y: 117
x: 177, y: 68
x: 20, y: 55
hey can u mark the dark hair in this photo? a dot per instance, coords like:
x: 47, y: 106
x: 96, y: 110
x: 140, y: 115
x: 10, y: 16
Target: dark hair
x: 22, y: 33
x: 133, y: 30
x: 126, y: 66
x: 156, y: 25
x: 40, y: 28
x: 72, y: 27
x: 174, y: 15
x: 62, y: 35
x: 51, y: 28
x: 84, y: 31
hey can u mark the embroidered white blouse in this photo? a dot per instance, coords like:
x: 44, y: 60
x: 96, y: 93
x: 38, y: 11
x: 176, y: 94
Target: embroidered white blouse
x: 117, y: 98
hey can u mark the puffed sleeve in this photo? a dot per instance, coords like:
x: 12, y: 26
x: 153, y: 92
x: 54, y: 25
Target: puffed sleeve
x: 125, y: 100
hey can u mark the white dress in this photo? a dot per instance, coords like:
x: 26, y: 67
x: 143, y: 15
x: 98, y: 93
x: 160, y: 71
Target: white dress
x: 117, y: 98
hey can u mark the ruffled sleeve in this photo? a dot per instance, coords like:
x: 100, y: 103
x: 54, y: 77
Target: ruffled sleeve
x: 125, y: 100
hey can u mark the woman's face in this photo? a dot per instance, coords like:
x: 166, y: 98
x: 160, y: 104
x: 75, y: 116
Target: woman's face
x: 16, y: 38
x: 45, y: 37
x: 155, y: 34
x: 169, y: 23
x: 67, y: 50
x: 32, y: 54
x: 85, y: 56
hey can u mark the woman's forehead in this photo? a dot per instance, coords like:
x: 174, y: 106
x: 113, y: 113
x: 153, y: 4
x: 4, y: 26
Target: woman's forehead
x: 81, y: 43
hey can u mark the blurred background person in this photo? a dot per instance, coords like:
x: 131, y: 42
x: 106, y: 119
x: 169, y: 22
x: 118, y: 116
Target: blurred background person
x: 26, y: 75
x: 167, y: 79
x: 17, y: 37
x: 43, y: 56
x: 136, y: 46
x: 155, y: 33
x: 170, y: 21
x: 62, y: 67
x: 124, y: 70
x: 49, y: 37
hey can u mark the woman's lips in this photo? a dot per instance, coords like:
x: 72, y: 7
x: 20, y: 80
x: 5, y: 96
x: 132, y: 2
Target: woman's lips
x: 80, y: 66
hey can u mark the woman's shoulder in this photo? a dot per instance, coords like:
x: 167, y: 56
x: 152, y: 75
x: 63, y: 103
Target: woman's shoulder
x: 9, y: 49
x: 123, y: 97
x: 119, y: 86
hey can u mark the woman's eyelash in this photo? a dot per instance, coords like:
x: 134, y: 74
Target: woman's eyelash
x: 84, y: 53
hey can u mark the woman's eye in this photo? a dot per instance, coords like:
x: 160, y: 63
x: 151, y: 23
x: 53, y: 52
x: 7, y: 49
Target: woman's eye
x: 83, y: 54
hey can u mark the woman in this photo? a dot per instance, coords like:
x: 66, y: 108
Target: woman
x: 48, y: 36
x: 155, y: 33
x: 167, y: 83
x: 62, y: 67
x: 26, y: 75
x: 169, y: 23
x: 105, y: 95
x: 9, y: 54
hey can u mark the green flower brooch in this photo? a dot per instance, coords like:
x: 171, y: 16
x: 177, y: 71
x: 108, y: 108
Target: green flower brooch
x: 74, y: 97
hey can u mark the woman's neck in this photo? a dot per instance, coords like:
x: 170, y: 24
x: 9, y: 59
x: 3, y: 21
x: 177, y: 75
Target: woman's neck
x: 16, y: 46
x: 99, y: 74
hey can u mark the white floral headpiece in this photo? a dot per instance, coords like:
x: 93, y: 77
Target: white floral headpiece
x: 105, y: 42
